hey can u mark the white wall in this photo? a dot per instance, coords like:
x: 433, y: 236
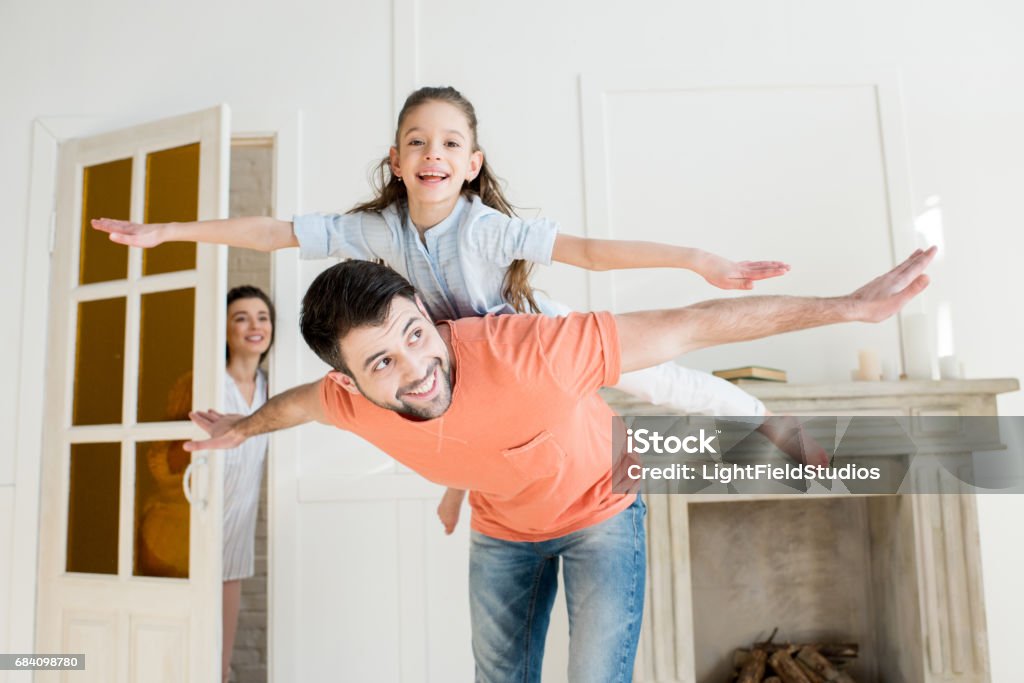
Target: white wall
x: 520, y: 63
x: 6, y: 543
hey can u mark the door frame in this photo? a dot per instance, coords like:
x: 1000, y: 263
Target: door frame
x: 285, y: 127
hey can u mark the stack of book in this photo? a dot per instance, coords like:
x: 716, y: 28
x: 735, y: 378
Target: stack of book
x: 752, y: 372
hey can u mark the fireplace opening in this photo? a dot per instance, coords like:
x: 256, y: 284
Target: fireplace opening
x: 823, y: 570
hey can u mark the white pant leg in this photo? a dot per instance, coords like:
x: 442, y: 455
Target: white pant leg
x: 689, y: 391
x: 673, y: 386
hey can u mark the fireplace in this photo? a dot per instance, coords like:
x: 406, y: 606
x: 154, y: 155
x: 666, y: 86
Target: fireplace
x: 898, y: 574
x: 830, y: 570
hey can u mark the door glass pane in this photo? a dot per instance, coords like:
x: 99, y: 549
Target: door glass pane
x: 99, y: 362
x: 172, y: 195
x: 106, y: 193
x: 165, y: 355
x: 161, y: 511
x: 93, y: 505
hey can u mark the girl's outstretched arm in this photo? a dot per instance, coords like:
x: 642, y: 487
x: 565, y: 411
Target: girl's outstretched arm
x: 255, y: 232
x: 594, y: 254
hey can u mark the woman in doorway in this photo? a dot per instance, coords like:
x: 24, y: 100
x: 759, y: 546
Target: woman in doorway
x: 250, y: 333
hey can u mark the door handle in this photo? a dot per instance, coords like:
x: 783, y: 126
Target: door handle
x: 186, y: 481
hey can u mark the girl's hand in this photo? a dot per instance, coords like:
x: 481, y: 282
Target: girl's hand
x: 448, y: 509
x: 726, y: 274
x: 131, y: 234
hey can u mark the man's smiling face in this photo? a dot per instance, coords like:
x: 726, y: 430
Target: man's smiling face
x: 401, y: 365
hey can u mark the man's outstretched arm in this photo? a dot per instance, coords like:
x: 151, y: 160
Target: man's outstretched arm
x: 651, y: 337
x: 296, y: 406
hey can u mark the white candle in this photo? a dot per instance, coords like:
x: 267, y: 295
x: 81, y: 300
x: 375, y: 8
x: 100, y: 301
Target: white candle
x: 917, y: 347
x: 870, y: 366
x: 950, y: 368
x: 889, y: 371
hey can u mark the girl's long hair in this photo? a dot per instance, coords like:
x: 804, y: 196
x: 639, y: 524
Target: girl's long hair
x: 388, y: 189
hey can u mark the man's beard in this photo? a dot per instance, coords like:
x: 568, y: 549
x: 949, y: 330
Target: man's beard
x: 436, y: 408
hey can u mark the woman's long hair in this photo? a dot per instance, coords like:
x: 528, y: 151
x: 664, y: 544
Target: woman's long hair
x: 388, y: 189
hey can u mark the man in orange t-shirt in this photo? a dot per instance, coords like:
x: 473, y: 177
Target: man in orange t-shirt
x: 537, y: 469
x: 507, y: 407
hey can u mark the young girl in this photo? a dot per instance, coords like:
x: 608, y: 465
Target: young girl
x: 440, y: 219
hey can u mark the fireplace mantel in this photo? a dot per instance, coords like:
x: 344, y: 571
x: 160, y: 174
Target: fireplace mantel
x: 917, y: 557
x: 908, y: 397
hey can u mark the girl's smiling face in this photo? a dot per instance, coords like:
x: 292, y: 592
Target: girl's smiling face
x: 435, y: 154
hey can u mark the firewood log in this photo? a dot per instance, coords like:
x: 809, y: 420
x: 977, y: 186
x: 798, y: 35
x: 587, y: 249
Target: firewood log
x: 786, y: 667
x: 753, y: 670
x: 814, y: 661
x: 828, y: 650
x: 812, y: 675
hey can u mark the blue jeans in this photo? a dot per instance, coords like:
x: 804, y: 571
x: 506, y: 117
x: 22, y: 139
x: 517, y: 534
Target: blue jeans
x: 512, y: 586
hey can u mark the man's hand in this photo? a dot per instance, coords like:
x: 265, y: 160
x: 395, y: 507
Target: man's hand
x: 220, y: 427
x: 296, y: 406
x: 887, y: 294
x: 132, y: 234
x: 651, y: 337
x: 726, y: 274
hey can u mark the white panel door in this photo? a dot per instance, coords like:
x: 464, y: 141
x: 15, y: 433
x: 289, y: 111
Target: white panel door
x: 129, y: 570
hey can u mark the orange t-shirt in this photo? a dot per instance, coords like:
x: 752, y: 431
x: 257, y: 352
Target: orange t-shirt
x: 526, y: 432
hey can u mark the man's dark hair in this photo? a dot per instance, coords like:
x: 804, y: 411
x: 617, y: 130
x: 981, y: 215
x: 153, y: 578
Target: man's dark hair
x: 348, y: 295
